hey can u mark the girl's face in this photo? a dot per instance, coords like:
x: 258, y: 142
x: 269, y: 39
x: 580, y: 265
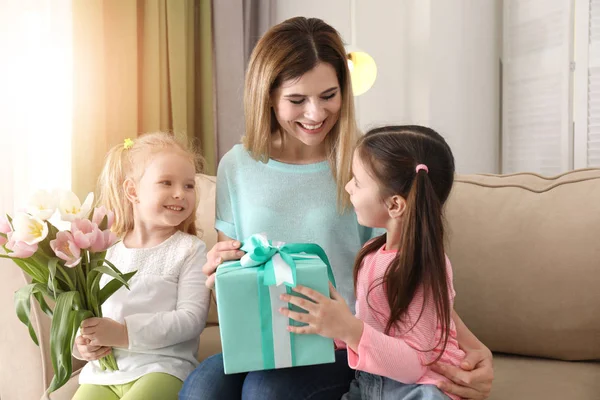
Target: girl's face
x: 307, y: 108
x: 166, y: 194
x: 371, y: 211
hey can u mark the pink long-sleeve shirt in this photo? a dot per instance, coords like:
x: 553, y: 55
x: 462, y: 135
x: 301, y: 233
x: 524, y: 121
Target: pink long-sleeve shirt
x: 397, y: 355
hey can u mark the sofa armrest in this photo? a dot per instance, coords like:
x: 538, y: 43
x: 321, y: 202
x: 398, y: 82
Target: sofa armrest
x: 26, y: 369
x: 23, y: 374
x: 67, y: 391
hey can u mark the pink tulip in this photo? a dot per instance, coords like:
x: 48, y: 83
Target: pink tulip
x: 20, y: 249
x: 100, y: 213
x: 4, y: 225
x: 104, y: 240
x: 4, y: 239
x: 65, y: 248
x: 84, y: 232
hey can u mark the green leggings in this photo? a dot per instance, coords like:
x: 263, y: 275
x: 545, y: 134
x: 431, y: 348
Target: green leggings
x: 153, y: 386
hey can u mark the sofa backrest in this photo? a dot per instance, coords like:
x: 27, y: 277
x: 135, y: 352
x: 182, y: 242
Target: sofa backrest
x: 525, y: 250
x: 205, y: 221
x: 205, y: 214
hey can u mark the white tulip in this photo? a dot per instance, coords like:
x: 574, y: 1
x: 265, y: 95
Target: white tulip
x: 70, y: 206
x: 42, y: 204
x: 28, y: 229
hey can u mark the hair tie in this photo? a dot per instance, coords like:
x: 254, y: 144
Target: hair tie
x: 127, y: 143
x: 420, y: 167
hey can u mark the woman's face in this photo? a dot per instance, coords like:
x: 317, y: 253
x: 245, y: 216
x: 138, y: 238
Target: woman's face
x: 307, y: 108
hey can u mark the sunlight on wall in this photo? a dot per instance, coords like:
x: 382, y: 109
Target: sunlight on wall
x: 36, y: 131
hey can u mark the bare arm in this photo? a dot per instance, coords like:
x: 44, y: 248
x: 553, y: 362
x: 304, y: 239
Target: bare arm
x: 466, y: 338
x: 473, y: 380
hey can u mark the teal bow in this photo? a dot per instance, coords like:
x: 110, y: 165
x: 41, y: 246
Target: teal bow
x: 261, y: 253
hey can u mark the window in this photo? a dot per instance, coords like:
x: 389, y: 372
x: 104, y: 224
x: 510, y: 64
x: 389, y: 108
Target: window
x: 536, y: 87
x: 586, y: 101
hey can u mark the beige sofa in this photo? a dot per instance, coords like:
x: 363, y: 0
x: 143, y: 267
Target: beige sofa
x: 526, y: 257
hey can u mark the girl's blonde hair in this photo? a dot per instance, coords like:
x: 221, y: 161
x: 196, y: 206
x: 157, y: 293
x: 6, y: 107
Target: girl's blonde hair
x: 286, y: 52
x: 129, y: 161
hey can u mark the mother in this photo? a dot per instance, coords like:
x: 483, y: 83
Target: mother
x: 287, y: 180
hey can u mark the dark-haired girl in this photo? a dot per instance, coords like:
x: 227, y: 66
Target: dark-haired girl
x: 402, y: 176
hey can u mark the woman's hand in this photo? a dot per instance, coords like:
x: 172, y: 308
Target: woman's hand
x: 329, y: 317
x: 473, y: 380
x: 105, y: 332
x: 89, y: 352
x: 227, y: 250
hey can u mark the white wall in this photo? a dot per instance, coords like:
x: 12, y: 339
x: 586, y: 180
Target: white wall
x: 438, y: 65
x: 465, y: 51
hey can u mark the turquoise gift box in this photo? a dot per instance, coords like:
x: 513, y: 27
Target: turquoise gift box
x: 254, y: 333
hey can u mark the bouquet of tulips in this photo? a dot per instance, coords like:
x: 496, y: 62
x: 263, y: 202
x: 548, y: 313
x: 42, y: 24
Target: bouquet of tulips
x: 61, y: 245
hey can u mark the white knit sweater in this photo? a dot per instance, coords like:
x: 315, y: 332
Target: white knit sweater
x: 165, y: 310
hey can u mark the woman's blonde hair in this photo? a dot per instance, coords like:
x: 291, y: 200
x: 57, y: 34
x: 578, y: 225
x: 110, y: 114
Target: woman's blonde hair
x: 286, y: 52
x: 129, y: 161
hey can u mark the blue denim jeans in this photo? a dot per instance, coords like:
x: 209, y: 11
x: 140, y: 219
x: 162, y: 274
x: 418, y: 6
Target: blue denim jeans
x: 374, y: 387
x: 314, y: 382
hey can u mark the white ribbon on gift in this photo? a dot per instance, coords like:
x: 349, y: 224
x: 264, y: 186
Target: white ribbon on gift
x: 282, y: 345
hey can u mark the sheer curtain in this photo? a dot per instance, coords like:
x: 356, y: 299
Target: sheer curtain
x: 36, y: 98
x: 35, y: 151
